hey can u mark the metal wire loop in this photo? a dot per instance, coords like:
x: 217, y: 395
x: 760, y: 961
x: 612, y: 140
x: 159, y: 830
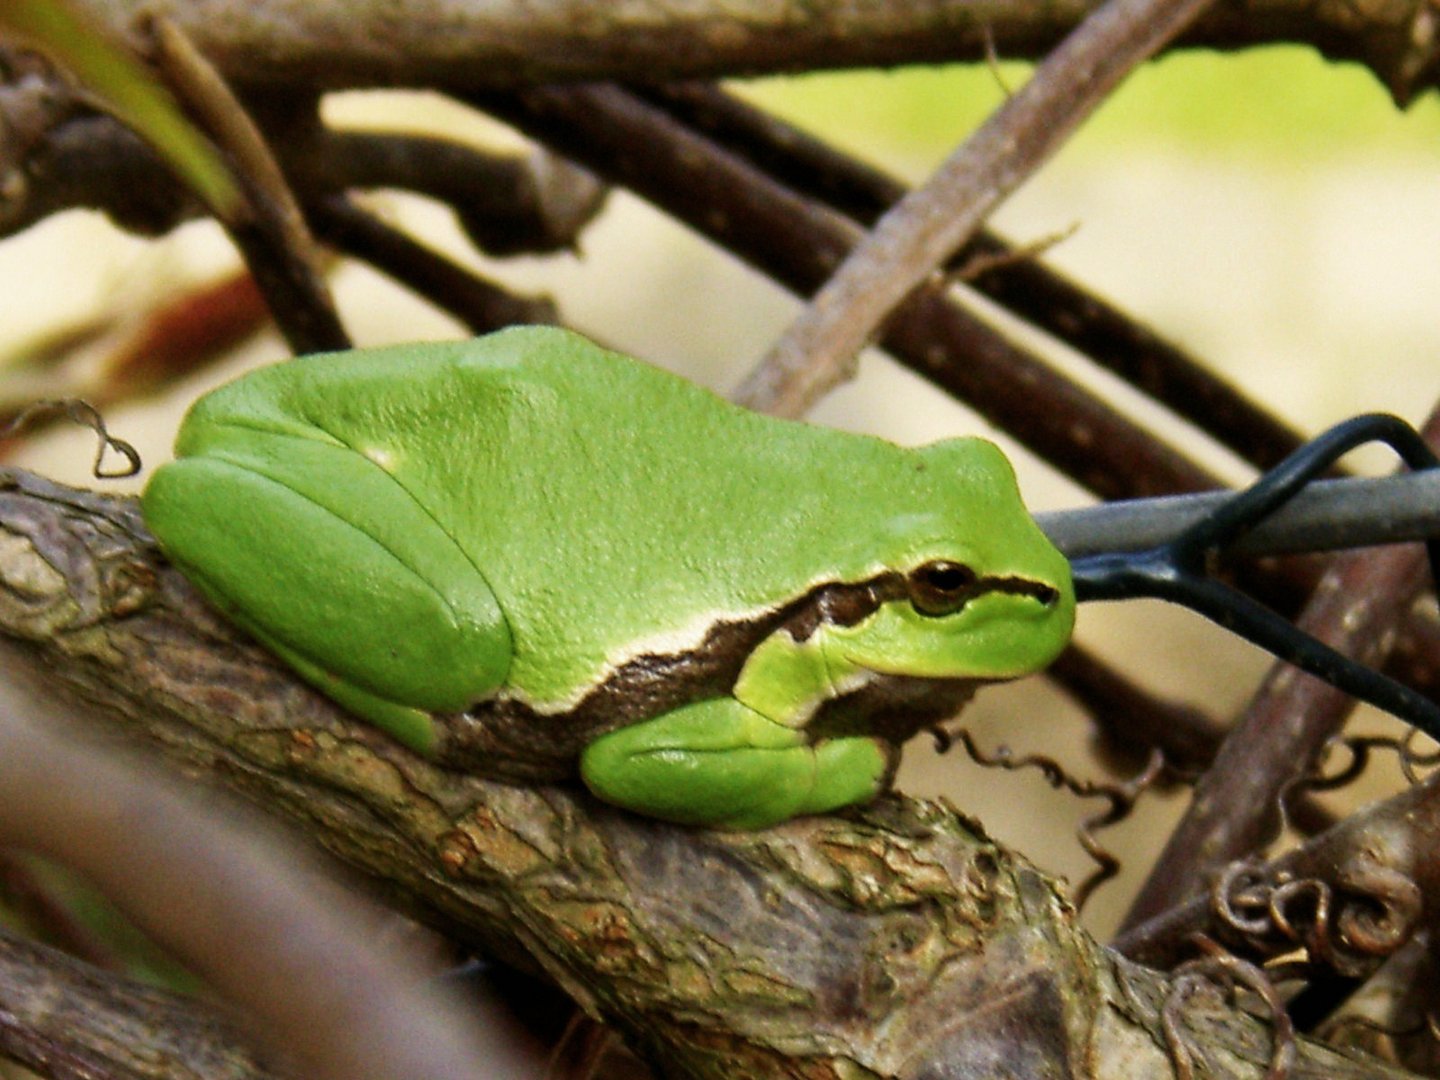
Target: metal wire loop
x: 1178, y: 571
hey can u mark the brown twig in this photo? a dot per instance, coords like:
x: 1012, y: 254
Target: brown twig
x: 1121, y: 797
x: 90, y: 161
x: 86, y: 415
x: 1230, y: 972
x: 1029, y: 288
x: 928, y: 226
x: 508, y: 204
x: 69, y: 1021
x: 1131, y: 720
x: 271, y: 233
x: 480, y: 304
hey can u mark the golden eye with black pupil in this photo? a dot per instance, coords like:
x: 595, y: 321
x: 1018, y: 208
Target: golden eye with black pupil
x: 940, y: 587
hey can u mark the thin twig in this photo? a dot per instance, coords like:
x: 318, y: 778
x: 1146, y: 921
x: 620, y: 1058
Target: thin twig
x: 480, y: 304
x: 85, y: 414
x: 71, y: 1021
x: 508, y: 204
x: 1121, y: 797
x: 1230, y: 972
x: 1029, y: 288
x: 272, y: 235
x: 928, y: 226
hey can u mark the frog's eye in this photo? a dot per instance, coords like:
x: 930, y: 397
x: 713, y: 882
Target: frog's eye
x: 940, y: 587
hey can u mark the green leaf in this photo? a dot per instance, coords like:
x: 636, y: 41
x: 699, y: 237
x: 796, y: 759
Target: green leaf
x: 126, y: 89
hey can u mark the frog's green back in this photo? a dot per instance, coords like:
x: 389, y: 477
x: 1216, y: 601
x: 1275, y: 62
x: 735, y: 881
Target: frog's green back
x: 596, y: 493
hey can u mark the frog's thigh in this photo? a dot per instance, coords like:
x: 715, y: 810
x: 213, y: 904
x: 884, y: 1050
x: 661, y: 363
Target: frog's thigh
x: 384, y: 615
x: 720, y: 763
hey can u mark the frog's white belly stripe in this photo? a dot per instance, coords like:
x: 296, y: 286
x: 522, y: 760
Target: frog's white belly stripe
x: 673, y: 641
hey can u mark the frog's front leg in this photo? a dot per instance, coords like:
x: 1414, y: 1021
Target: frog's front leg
x: 722, y: 763
x: 743, y: 761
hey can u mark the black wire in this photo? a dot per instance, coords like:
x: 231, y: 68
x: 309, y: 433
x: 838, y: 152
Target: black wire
x: 1177, y: 571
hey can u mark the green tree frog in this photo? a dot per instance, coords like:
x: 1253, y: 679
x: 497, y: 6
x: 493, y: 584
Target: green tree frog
x: 523, y: 552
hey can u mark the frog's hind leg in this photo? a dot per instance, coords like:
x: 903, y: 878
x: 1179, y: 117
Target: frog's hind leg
x: 329, y: 561
x: 720, y: 763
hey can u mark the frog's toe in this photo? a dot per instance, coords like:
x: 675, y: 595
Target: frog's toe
x: 849, y: 771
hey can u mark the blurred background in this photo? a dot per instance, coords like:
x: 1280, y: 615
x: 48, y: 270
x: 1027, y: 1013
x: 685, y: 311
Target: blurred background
x: 1275, y: 214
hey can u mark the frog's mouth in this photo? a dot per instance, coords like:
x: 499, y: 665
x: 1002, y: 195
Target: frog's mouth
x: 1047, y: 595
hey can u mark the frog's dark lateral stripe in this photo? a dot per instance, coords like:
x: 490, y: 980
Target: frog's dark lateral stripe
x: 846, y: 605
x: 508, y: 738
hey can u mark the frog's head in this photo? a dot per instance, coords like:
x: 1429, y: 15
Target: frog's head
x: 974, y: 590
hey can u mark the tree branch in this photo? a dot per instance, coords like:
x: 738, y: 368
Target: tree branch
x: 1017, y: 280
x: 459, y: 45
x: 254, y: 917
x: 75, y: 1023
x: 897, y: 939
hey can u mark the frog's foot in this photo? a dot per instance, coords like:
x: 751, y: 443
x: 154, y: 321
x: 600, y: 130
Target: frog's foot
x: 719, y: 763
